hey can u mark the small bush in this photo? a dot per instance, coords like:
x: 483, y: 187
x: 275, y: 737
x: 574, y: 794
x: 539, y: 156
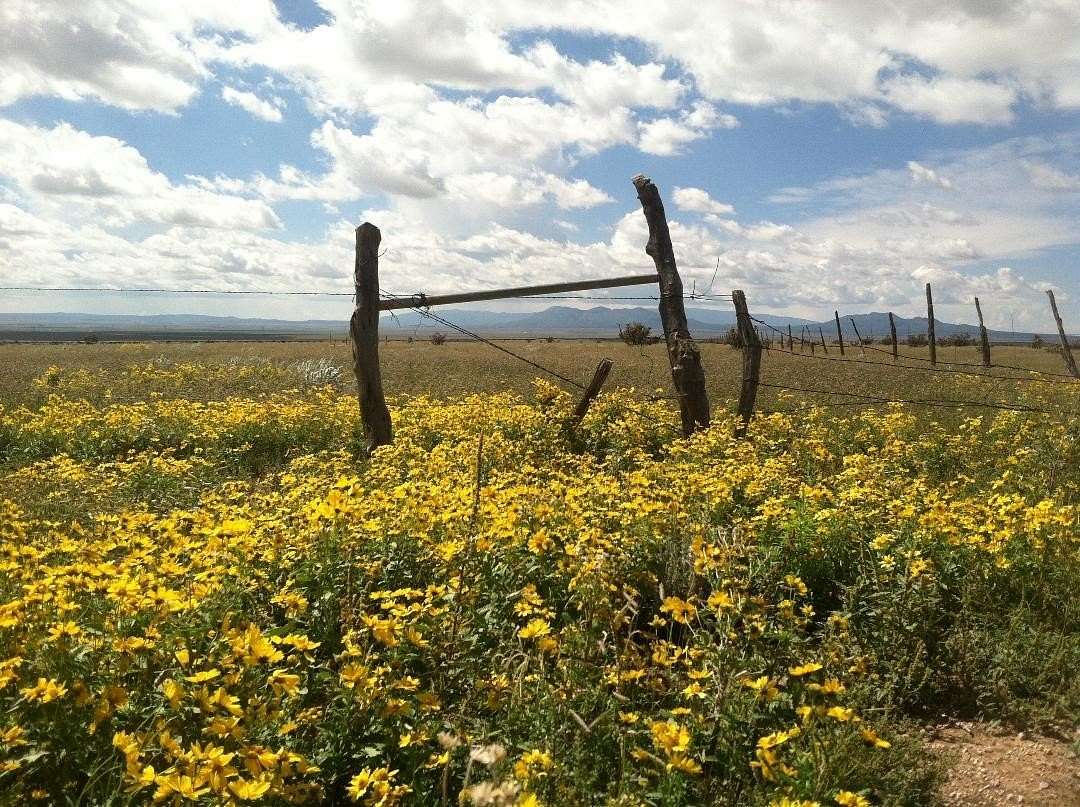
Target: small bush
x: 90, y: 339
x: 635, y: 333
x: 1037, y: 343
x: 438, y: 338
x: 959, y: 339
x: 917, y: 340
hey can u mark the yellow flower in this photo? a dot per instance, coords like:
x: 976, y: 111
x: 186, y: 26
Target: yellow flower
x: 845, y: 798
x: 535, y: 629
x: 45, y: 691
x: 680, y: 610
x: 804, y: 669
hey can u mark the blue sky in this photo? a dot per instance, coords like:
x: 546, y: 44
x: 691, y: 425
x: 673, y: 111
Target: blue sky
x: 834, y: 158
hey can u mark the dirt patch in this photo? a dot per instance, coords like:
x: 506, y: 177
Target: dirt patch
x: 991, y: 767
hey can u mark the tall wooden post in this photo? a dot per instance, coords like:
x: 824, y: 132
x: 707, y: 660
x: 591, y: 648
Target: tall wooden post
x: 824, y: 347
x: 687, y: 372
x: 751, y: 369
x: 1066, y: 350
x: 984, y: 337
x: 930, y: 336
x: 839, y: 333
x: 790, y: 341
x: 892, y: 333
x: 364, y: 329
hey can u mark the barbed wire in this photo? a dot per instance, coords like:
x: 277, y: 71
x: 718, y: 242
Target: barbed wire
x: 1068, y: 378
x: 944, y: 402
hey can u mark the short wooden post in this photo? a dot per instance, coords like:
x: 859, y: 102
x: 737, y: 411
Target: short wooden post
x: 839, y: 333
x: 824, y: 347
x: 687, y: 372
x: 598, y: 379
x: 892, y: 334
x: 930, y: 337
x: 790, y: 341
x: 1066, y: 350
x: 364, y: 329
x: 751, y: 369
x: 858, y: 335
x: 984, y: 337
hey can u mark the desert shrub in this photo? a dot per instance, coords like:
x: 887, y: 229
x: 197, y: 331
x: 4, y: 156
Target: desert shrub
x: 959, y: 339
x: 1037, y: 343
x: 635, y: 333
x: 438, y: 338
x: 917, y: 340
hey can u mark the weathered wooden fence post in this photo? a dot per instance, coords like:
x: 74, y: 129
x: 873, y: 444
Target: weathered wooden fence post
x: 790, y: 341
x: 892, y: 334
x: 1066, y: 350
x: 687, y: 372
x: 858, y: 335
x: 839, y: 333
x: 364, y: 329
x: 824, y: 347
x: 751, y: 369
x: 930, y: 336
x: 984, y: 337
x: 598, y: 379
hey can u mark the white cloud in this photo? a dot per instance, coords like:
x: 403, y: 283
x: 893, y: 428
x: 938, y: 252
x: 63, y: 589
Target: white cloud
x: 952, y: 100
x: 66, y: 172
x: 1047, y: 177
x: 253, y: 104
x: 920, y: 173
x: 666, y: 136
x: 696, y: 200
x: 130, y: 55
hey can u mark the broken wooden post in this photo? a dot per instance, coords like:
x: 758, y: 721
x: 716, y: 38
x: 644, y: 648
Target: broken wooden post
x: 839, y: 333
x: 892, y: 334
x: 1066, y: 350
x: 364, y: 329
x: 824, y: 347
x: 751, y: 368
x: 984, y: 337
x: 687, y: 372
x: 598, y: 379
x: 858, y: 335
x: 930, y: 337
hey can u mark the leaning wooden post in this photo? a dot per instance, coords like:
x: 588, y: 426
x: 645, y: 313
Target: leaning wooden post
x: 751, y: 369
x: 858, y: 335
x: 930, y: 337
x: 824, y: 347
x: 892, y: 334
x: 598, y: 379
x: 364, y: 329
x: 687, y: 372
x: 984, y: 337
x: 1066, y: 350
x: 839, y: 333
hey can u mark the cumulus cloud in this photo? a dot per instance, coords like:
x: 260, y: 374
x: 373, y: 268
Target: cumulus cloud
x: 920, y: 173
x: 696, y: 200
x: 253, y: 104
x: 67, y: 172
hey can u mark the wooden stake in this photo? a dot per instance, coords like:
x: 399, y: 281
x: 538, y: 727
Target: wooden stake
x: 687, y: 372
x: 751, y: 368
x: 858, y: 335
x: 930, y: 337
x: 824, y: 347
x: 364, y: 329
x: 984, y: 337
x: 892, y: 333
x: 1066, y: 350
x: 839, y: 333
x: 598, y: 379
x: 790, y: 341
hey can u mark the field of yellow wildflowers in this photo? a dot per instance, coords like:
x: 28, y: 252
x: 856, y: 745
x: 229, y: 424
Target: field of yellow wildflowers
x: 214, y: 600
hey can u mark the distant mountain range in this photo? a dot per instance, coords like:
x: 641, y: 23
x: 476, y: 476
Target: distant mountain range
x: 554, y: 321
